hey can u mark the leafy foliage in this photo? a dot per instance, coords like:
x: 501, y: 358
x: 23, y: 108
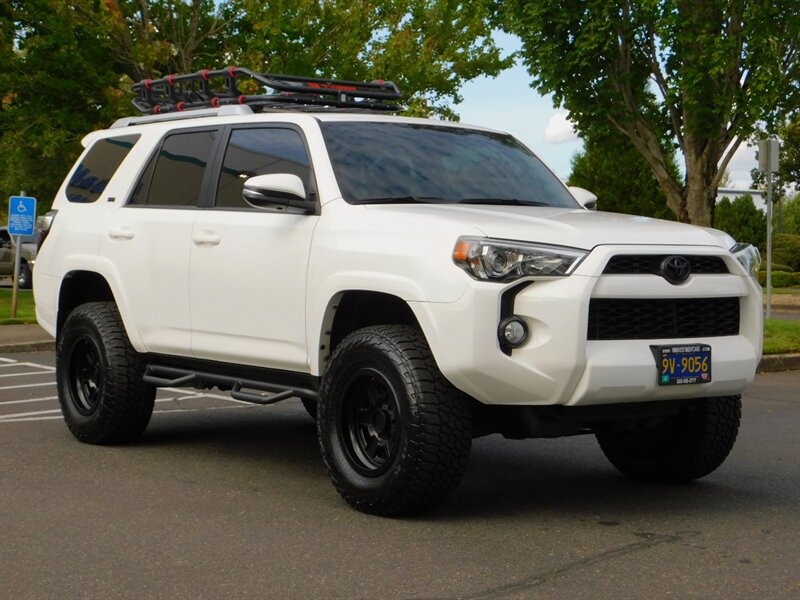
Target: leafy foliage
x: 618, y: 175
x: 66, y: 65
x: 786, y: 250
x: 700, y: 75
x: 742, y: 220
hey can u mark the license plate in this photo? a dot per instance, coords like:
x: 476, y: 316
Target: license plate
x: 684, y: 364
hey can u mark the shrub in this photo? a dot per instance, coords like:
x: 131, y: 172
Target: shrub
x: 786, y: 250
x: 779, y: 278
x: 776, y: 266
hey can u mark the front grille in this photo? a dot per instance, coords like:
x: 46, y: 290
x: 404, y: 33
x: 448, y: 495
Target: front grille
x: 643, y: 319
x: 650, y: 264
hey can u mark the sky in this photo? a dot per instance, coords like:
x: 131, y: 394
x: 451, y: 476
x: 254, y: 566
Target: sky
x: 508, y: 103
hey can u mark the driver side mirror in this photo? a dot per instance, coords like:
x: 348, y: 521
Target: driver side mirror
x: 280, y: 192
x: 584, y: 197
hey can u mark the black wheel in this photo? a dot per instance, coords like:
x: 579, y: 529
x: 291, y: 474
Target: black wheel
x: 394, y: 434
x: 310, y: 406
x: 99, y: 377
x: 688, y: 446
x: 25, y: 278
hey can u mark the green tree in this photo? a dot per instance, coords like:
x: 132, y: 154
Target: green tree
x: 742, y: 220
x: 618, y: 175
x: 701, y: 74
x: 66, y: 65
x: 428, y: 47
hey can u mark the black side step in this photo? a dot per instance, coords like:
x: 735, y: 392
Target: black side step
x: 163, y: 376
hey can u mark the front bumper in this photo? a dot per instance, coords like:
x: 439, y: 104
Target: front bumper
x: 558, y: 365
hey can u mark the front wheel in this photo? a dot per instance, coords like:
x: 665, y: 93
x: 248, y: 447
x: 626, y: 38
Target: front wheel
x: 688, y: 446
x: 395, y: 435
x: 99, y: 375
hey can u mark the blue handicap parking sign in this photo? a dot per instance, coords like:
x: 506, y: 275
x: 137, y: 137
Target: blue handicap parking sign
x: 21, y: 215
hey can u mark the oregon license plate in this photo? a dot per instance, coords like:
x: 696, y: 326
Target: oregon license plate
x: 684, y: 364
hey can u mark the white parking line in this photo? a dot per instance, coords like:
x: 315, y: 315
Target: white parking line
x: 206, y: 395
x: 3, y: 403
x: 7, y: 360
x: 29, y: 414
x: 23, y: 374
x: 28, y: 364
x: 53, y: 418
x: 27, y: 385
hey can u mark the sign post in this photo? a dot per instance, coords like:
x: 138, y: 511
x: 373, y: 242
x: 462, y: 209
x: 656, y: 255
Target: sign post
x: 768, y: 163
x: 21, y: 221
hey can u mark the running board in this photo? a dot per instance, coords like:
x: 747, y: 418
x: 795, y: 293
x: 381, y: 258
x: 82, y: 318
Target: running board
x: 163, y: 376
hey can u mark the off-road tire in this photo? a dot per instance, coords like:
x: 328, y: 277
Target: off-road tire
x: 99, y: 375
x: 425, y: 420
x: 688, y: 446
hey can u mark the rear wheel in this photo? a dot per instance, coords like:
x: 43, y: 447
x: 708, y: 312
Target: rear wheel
x: 99, y: 375
x: 394, y: 434
x: 687, y: 446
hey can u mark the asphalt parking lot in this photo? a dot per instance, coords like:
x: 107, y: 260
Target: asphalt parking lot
x: 224, y: 499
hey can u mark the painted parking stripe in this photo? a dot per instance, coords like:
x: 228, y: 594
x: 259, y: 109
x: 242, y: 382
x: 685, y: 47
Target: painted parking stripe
x: 27, y: 385
x: 3, y: 403
x: 28, y: 364
x: 24, y: 419
x: 29, y: 373
x: 7, y: 360
x: 207, y: 395
x: 29, y: 414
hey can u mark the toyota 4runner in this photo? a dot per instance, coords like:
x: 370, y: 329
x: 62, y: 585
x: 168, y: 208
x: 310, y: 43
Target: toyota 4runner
x: 415, y: 283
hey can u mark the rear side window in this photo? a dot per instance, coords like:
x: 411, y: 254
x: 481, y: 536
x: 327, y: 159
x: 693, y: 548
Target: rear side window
x: 174, y: 176
x: 93, y: 173
x: 260, y: 151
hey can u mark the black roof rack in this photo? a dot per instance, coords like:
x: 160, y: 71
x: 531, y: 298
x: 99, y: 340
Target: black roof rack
x: 199, y: 90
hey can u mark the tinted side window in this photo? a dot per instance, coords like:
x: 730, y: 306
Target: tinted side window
x: 259, y: 152
x: 179, y: 167
x: 93, y: 173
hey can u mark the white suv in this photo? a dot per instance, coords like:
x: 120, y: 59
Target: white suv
x: 416, y: 283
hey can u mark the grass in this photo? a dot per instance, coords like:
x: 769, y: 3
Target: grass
x: 780, y: 336
x: 26, y: 310
x: 788, y: 290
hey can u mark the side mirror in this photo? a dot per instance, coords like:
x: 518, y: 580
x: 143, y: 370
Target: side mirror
x: 584, y: 197
x: 282, y: 192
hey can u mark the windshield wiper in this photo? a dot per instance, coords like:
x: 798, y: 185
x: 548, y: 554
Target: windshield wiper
x: 503, y: 201
x: 400, y: 200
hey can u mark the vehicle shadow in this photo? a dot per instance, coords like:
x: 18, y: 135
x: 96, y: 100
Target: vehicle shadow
x: 568, y: 476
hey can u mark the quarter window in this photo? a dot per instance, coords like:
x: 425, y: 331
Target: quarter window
x: 93, y: 173
x: 259, y: 152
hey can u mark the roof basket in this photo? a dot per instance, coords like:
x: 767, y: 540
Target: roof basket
x: 200, y: 90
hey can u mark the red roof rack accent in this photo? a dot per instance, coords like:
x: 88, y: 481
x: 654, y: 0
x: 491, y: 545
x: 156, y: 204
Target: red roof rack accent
x: 195, y: 90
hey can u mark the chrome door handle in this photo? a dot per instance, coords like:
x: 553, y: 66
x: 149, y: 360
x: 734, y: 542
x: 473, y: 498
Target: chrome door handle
x: 121, y: 233
x: 204, y: 237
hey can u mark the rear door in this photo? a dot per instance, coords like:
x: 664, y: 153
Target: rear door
x: 248, y: 266
x: 149, y: 239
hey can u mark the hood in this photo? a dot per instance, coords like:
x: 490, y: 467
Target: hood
x: 559, y: 226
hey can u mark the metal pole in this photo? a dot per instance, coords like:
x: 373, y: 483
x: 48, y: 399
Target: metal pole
x: 17, y: 267
x: 769, y: 233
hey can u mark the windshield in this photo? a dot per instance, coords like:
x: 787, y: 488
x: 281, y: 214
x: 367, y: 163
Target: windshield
x: 402, y: 162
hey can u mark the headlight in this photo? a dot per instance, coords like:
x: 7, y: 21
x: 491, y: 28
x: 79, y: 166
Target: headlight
x: 501, y: 260
x: 749, y: 256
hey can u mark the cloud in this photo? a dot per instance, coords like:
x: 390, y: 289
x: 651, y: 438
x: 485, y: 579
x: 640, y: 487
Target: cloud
x: 559, y: 129
x: 739, y: 168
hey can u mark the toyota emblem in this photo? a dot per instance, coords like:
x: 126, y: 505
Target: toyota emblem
x: 675, y: 269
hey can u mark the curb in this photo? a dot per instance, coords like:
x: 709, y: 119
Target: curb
x: 44, y: 346
x: 779, y: 362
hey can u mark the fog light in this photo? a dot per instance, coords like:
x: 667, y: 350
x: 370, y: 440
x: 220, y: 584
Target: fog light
x: 512, y: 332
